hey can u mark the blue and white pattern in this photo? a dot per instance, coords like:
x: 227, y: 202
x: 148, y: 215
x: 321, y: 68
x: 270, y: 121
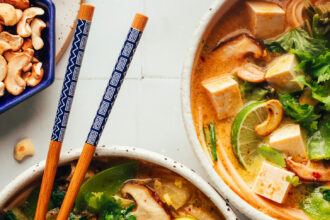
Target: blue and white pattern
x: 70, y: 79
x: 114, y: 84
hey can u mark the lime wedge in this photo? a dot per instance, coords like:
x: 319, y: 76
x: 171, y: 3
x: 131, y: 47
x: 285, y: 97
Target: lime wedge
x: 244, y: 140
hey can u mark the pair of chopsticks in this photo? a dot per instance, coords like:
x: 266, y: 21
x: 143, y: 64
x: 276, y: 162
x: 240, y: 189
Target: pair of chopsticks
x: 109, y: 97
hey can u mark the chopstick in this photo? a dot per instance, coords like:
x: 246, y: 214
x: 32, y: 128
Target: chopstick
x: 103, y: 112
x: 69, y: 85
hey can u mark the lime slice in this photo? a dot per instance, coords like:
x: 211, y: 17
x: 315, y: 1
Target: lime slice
x: 244, y: 140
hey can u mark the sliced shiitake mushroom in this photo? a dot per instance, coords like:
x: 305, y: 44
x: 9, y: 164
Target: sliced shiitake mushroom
x: 250, y: 73
x: 239, y: 47
x: 275, y: 116
x: 313, y: 171
x: 148, y: 204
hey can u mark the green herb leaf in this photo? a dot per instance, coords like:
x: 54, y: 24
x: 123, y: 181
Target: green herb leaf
x: 320, y: 93
x: 108, y: 181
x: 213, y: 142
x: 299, y: 40
x: 272, y: 155
x: 326, y: 193
x: 319, y: 142
x: 303, y: 114
x: 295, y: 181
x: 252, y: 92
x: 316, y: 206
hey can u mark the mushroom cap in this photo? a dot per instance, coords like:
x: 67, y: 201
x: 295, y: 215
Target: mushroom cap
x: 15, y: 41
x: 15, y: 85
x: 3, y: 68
x: 148, y: 205
x: 37, y: 26
x: 23, y: 26
x: 21, y: 4
x: 238, y: 47
x: 8, y: 14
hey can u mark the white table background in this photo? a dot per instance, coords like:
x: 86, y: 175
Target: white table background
x: 147, y: 112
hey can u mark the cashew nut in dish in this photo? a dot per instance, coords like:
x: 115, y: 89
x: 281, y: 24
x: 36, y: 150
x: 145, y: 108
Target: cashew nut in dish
x: 8, y: 14
x: 148, y: 205
x: 250, y: 73
x: 313, y: 171
x: 27, y: 44
x: 238, y: 47
x: 23, y: 148
x: 21, y: 4
x: 10, y: 54
x: 2, y: 89
x: 275, y: 116
x: 4, y: 46
x: 36, y: 75
x: 15, y: 41
x: 15, y: 85
x: 19, y: 15
x: 3, y: 68
x: 23, y: 27
x: 27, y: 68
x: 37, y: 26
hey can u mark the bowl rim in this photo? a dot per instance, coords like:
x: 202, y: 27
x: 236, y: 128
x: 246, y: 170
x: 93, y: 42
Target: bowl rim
x: 32, y: 173
x: 188, y: 66
x: 51, y: 63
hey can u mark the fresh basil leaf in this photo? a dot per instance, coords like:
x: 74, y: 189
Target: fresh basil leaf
x: 272, y: 155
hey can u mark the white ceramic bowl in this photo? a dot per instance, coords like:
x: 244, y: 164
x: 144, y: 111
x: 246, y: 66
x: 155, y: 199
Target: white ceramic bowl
x: 35, y: 172
x: 207, y: 23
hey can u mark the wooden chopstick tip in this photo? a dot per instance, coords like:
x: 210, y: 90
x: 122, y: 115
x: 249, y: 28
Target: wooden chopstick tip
x: 86, y: 12
x: 139, y: 22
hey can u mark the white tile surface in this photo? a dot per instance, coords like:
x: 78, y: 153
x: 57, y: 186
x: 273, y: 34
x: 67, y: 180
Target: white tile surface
x: 147, y: 113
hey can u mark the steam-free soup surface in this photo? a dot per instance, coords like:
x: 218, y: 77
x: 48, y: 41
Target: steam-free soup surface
x: 120, y: 189
x: 260, y: 103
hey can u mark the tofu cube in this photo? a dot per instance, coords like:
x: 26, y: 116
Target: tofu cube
x: 225, y: 96
x: 266, y: 19
x: 271, y: 182
x: 281, y: 72
x: 289, y: 140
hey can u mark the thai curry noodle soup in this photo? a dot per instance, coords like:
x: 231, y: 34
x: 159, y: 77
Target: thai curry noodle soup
x: 118, y: 188
x: 260, y: 100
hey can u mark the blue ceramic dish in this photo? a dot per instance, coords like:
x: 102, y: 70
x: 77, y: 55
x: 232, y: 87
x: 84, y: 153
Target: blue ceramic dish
x: 46, y: 55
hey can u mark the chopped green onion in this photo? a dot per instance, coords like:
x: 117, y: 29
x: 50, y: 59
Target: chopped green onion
x: 210, y: 139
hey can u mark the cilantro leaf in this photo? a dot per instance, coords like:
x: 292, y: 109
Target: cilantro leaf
x: 319, y: 92
x: 318, y: 67
x: 303, y: 114
x: 299, y: 40
x: 319, y: 142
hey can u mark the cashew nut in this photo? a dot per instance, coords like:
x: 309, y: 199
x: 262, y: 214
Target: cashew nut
x: 15, y: 41
x: 275, y: 116
x: 23, y: 27
x: 3, y: 68
x: 27, y: 44
x: 2, y: 89
x: 9, y: 55
x: 15, y: 85
x: 19, y: 15
x: 36, y: 75
x: 8, y: 14
x: 23, y: 148
x: 27, y: 68
x: 4, y: 46
x: 21, y: 4
x: 37, y: 26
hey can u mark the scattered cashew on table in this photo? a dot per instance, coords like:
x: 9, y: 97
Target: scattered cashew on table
x: 19, y: 67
